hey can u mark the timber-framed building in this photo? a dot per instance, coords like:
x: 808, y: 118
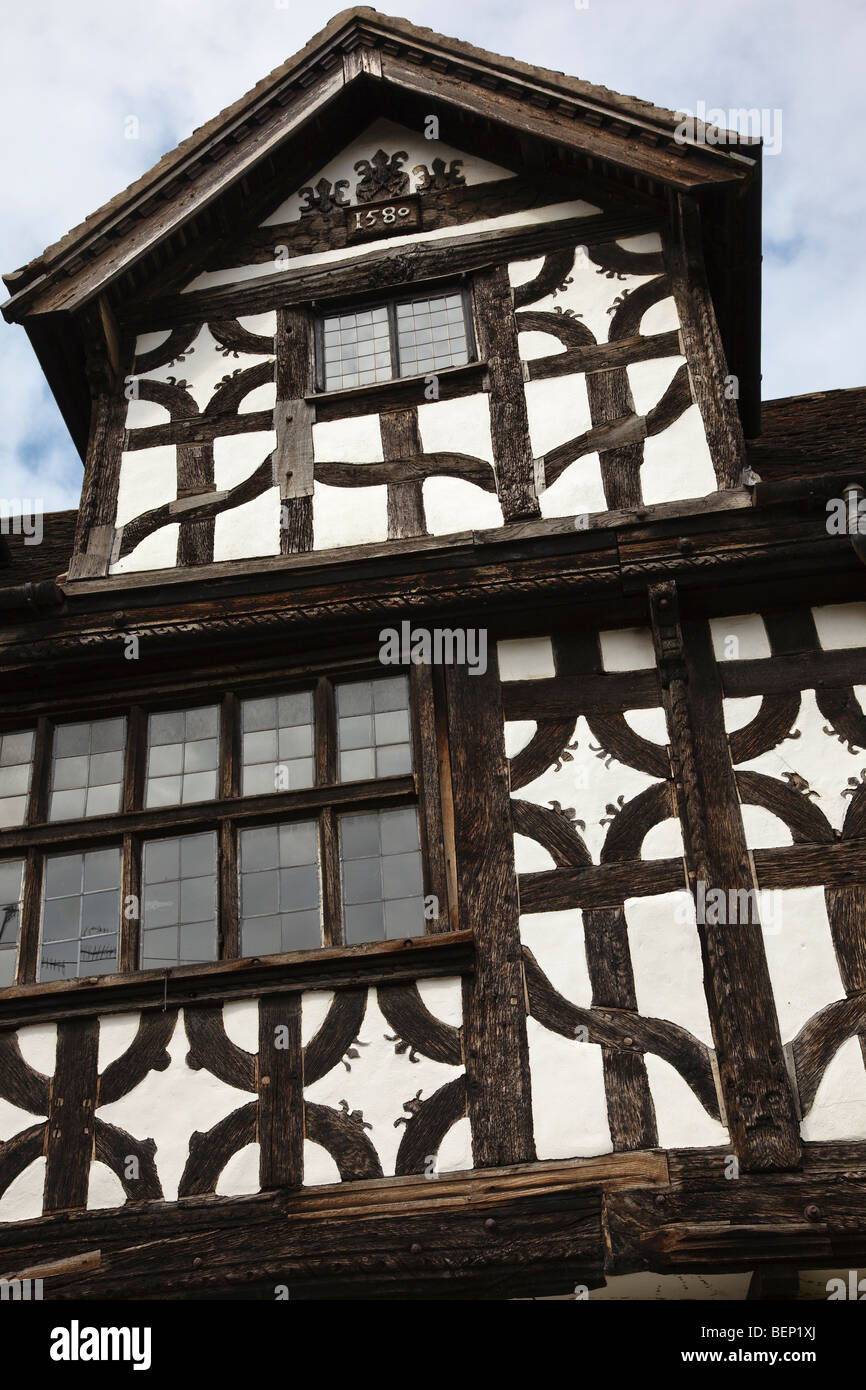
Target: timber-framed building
x: 432, y: 788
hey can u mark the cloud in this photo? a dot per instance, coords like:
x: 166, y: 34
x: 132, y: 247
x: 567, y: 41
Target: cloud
x: 75, y: 73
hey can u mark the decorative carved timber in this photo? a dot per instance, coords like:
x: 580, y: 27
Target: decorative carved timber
x: 443, y: 176
x: 324, y: 197
x: 383, y: 176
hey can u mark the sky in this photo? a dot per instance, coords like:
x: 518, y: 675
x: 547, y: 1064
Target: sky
x: 75, y: 73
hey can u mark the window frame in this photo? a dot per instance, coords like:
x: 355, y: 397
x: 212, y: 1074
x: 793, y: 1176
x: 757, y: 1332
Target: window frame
x: 132, y: 826
x: 391, y: 303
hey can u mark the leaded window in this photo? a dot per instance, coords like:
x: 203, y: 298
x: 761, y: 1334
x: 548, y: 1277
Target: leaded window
x: 403, y: 337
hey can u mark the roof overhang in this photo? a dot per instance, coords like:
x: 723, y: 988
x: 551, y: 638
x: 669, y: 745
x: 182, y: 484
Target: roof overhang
x: 363, y: 60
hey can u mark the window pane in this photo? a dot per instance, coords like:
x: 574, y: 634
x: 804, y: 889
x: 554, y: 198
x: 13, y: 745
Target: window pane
x: 431, y: 333
x: 357, y: 349
x: 179, y: 911
x: 87, y: 769
x: 80, y: 914
x: 280, y: 888
x: 182, y: 757
x: 383, y: 880
x: 373, y: 733
x: 16, y: 768
x: 277, y: 744
x: 11, y: 893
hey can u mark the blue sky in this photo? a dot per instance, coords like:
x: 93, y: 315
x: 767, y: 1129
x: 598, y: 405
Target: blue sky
x: 75, y: 72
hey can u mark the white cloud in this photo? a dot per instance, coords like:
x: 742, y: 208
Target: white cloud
x: 74, y: 73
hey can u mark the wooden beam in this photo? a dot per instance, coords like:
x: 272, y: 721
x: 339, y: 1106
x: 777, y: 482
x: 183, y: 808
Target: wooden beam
x: 494, y: 1023
x: 760, y: 1105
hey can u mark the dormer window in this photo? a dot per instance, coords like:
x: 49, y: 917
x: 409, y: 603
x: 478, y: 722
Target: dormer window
x: 400, y: 338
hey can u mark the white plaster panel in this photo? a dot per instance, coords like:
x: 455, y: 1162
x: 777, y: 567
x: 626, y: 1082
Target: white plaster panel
x: 241, y: 1023
x: 379, y: 1081
x: 526, y: 659
x: 458, y: 426
x: 116, y: 1033
x: 354, y: 440
x: 682, y: 1121
x: 803, y: 969
x: 349, y: 515
x: 762, y: 829
x: 666, y: 961
x: 741, y: 637
x: 13, y: 1119
x: 533, y: 344
x: 140, y: 413
x: 739, y: 711
x: 455, y: 1151
x: 644, y: 244
x: 454, y: 504
x: 663, y: 841
x: 839, y: 1109
x: 157, y: 551
x: 677, y: 462
x: 250, y: 529
x: 521, y: 272
x: 169, y: 1105
x: 388, y: 135
x: 314, y: 1010
x: 22, y: 1200
x: 237, y: 456
x: 841, y: 625
x: 649, y: 380
x: 558, y: 410
x: 569, y: 1107
x: 557, y: 941
x: 660, y: 318
x: 148, y: 479
x: 651, y: 724
x: 518, y: 733
x: 812, y: 755
x: 104, y: 1188
x: 263, y: 397
x: 444, y: 999
x: 38, y: 1044
x: 530, y: 857
x: 578, y: 491
x: 241, y: 1173
x: 146, y: 342
x: 320, y: 1169
x: 627, y: 649
x: 264, y: 324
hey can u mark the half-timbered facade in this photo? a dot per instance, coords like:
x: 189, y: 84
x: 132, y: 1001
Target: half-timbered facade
x: 432, y: 800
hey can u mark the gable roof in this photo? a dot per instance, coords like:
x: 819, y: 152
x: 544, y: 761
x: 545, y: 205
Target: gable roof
x: 189, y: 192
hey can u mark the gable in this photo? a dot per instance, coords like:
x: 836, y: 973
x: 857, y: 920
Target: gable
x: 415, y: 163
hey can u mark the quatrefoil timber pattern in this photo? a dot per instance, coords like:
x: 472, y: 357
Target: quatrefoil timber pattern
x: 71, y: 1135
x: 596, y: 746
x: 279, y: 1119
x: 800, y: 760
x: 282, y: 1071
x: 618, y: 431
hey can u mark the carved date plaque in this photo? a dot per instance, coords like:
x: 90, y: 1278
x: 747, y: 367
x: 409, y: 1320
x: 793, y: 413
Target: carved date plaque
x: 382, y: 219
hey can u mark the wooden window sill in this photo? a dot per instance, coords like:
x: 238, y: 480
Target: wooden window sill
x: 400, y: 391
x: 335, y: 967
